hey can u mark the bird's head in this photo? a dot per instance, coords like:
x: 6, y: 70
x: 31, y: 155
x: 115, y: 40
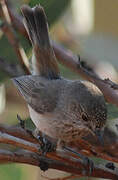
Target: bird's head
x: 88, y: 106
x: 94, y: 112
x: 95, y: 122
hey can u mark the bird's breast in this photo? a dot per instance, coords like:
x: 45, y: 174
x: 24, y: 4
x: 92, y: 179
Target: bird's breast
x: 57, y: 127
x: 44, y: 122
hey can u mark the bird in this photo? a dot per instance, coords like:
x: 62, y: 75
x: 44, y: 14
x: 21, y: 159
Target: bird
x: 65, y: 110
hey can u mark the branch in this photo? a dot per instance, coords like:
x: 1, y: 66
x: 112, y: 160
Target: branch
x: 10, y: 34
x: 56, y: 160
x: 16, y: 20
x: 89, y: 147
x: 12, y: 70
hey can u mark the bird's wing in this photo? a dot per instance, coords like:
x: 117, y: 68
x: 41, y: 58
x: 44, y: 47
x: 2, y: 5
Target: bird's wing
x: 37, y: 28
x: 38, y: 92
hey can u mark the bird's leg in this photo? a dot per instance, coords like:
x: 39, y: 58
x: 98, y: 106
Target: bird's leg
x: 46, y: 143
x: 87, y: 162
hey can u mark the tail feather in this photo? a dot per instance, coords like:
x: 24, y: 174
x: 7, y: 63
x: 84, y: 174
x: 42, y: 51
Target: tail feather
x: 29, y: 22
x: 41, y: 27
x: 37, y: 28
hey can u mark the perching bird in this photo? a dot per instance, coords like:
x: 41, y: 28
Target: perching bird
x: 65, y: 110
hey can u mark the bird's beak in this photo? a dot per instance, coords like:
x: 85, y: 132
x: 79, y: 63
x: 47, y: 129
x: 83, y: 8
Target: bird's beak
x: 99, y: 134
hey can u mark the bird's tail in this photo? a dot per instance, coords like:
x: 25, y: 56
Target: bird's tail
x: 36, y: 25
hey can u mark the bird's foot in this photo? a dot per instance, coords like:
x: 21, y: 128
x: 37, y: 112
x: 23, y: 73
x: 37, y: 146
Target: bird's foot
x: 88, y: 163
x: 46, y: 145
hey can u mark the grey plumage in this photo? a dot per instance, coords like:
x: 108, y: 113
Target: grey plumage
x: 63, y: 109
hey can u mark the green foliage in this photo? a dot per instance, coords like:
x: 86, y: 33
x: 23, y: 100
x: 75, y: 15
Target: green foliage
x: 53, y: 8
x: 29, y: 124
x: 67, y: 73
x: 112, y: 111
x: 6, y: 50
x: 10, y: 172
x: 3, y: 76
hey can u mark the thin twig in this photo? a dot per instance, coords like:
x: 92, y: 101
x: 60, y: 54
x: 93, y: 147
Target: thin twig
x: 10, y: 33
x: 12, y: 70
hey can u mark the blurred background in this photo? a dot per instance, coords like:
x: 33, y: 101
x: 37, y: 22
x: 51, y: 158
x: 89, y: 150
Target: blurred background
x: 88, y: 28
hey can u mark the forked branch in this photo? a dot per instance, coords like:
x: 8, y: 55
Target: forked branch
x: 31, y: 155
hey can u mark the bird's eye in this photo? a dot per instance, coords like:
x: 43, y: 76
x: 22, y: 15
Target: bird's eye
x: 84, y: 117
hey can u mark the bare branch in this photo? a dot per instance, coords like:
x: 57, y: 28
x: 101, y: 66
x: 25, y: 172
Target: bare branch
x: 10, y: 69
x: 8, y: 139
x: 16, y: 20
x: 108, y: 152
x: 59, y: 160
x: 18, y: 132
x: 10, y: 34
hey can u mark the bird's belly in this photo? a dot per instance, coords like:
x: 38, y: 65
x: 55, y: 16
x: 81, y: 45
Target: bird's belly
x: 44, y: 122
x: 57, y: 128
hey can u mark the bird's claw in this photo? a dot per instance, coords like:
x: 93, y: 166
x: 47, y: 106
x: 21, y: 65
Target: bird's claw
x: 88, y: 163
x: 46, y: 145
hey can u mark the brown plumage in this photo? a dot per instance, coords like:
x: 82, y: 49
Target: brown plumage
x: 63, y: 109
x: 37, y: 28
